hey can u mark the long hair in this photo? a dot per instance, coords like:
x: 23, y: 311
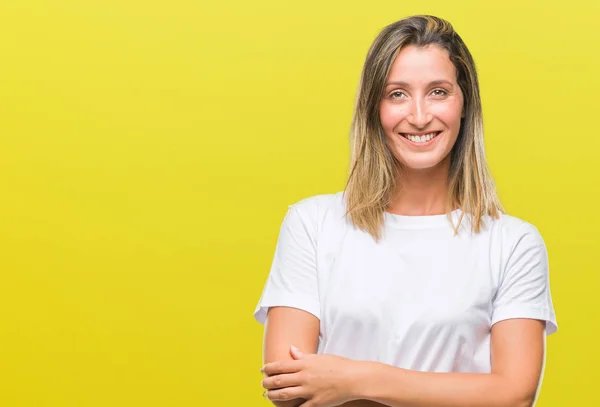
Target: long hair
x: 374, y: 171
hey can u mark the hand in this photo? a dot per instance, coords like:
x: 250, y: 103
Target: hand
x: 323, y: 380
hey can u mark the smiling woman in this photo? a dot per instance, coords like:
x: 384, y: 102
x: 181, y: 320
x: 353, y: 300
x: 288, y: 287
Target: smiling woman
x: 430, y: 100
x: 411, y: 286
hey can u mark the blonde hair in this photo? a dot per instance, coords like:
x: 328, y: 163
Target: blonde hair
x: 374, y: 171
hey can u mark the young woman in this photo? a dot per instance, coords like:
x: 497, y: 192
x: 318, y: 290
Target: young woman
x: 411, y: 287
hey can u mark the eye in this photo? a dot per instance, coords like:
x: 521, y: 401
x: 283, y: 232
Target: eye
x: 396, y: 94
x: 443, y: 92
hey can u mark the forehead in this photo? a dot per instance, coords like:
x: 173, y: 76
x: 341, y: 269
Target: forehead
x: 422, y: 64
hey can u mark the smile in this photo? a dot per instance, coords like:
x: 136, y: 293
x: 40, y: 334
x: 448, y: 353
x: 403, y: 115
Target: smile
x: 423, y: 139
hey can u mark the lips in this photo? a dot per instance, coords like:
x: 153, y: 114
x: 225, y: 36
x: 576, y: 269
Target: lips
x: 420, y: 138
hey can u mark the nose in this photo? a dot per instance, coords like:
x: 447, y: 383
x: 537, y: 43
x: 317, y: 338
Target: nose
x: 418, y: 114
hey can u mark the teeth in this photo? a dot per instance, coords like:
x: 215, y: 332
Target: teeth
x: 420, y: 139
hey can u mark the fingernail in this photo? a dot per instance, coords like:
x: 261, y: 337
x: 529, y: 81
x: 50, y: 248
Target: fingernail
x: 295, y: 348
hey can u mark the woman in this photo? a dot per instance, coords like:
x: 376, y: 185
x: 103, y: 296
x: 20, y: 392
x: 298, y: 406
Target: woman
x: 412, y: 287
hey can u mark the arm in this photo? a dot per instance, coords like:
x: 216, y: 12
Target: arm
x: 517, y: 362
x: 284, y: 327
x: 288, y: 326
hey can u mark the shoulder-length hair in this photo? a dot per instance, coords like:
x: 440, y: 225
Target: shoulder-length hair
x: 375, y: 172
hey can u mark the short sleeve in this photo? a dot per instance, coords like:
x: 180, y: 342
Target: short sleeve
x: 524, y: 287
x: 292, y: 280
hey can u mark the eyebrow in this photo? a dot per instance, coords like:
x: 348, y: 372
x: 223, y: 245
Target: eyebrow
x: 433, y: 83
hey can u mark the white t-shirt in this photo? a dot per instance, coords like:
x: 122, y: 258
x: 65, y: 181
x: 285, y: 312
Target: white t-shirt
x: 421, y: 298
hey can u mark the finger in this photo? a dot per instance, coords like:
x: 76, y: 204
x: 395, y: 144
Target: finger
x: 289, y: 393
x: 281, y: 367
x: 281, y: 381
x: 297, y: 353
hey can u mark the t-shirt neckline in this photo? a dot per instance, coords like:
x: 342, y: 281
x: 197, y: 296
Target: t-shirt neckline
x: 419, y: 221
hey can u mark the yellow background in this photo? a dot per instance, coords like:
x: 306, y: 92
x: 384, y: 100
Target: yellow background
x: 149, y: 151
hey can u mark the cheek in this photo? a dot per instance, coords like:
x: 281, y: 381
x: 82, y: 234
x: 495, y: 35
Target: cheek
x: 384, y: 117
x: 390, y: 116
x: 450, y: 115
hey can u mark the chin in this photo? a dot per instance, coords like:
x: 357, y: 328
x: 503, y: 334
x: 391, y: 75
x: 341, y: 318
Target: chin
x: 421, y: 165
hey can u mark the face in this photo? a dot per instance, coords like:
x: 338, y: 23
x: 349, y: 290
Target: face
x: 422, y: 107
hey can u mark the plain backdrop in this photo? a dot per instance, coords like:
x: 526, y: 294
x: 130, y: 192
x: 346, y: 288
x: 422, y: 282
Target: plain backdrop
x: 149, y: 150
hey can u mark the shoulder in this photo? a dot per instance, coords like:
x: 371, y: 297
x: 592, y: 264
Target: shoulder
x: 320, y: 206
x: 515, y: 231
x: 320, y: 212
x: 517, y: 240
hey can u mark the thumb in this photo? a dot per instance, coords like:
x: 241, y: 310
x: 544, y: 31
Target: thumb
x: 296, y: 353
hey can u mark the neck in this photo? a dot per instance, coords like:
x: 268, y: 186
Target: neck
x: 422, y: 192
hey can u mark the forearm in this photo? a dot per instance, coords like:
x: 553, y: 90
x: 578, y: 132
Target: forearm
x: 397, y: 387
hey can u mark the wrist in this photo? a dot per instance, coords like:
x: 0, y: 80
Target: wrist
x: 360, y: 387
